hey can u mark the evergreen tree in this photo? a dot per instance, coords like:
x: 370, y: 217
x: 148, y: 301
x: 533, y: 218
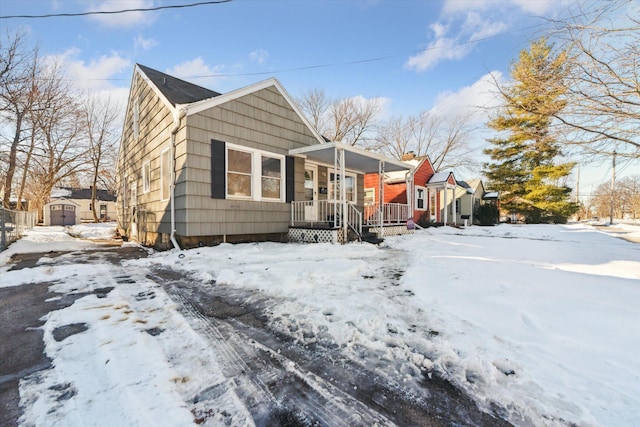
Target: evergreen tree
x: 525, y: 168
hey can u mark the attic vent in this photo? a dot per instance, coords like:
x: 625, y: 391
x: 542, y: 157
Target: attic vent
x: 164, y: 81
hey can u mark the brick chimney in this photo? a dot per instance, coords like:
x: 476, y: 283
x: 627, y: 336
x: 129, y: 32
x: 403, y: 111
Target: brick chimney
x: 408, y: 156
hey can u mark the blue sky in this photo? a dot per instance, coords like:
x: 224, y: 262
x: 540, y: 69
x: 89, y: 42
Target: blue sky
x: 414, y: 55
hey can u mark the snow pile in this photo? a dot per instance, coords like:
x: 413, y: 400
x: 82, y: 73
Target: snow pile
x: 42, y: 239
x: 630, y: 229
x: 56, y: 238
x: 94, y: 231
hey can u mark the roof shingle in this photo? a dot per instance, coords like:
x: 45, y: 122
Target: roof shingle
x: 175, y: 90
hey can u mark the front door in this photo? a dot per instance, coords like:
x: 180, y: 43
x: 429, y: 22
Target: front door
x: 310, y: 192
x: 433, y: 207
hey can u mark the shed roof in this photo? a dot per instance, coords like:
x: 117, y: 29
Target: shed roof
x: 82, y: 194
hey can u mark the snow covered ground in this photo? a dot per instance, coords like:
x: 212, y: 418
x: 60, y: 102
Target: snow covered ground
x: 541, y: 320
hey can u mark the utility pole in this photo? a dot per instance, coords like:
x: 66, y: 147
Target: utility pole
x: 613, y: 184
x: 578, y: 215
x: 578, y: 186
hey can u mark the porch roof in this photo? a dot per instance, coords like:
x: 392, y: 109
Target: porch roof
x: 355, y: 158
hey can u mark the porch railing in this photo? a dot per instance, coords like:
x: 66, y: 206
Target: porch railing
x: 323, y: 212
x: 393, y: 213
x: 314, y: 212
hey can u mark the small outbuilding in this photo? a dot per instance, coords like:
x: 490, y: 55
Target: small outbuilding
x: 61, y: 211
x: 70, y: 206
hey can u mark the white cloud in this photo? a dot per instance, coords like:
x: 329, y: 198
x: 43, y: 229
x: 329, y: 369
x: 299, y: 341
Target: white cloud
x: 474, y: 101
x: 469, y: 29
x: 538, y: 7
x: 464, y: 23
x: 480, y: 28
x: 197, y: 72
x: 454, y: 6
x: 123, y: 20
x: 382, y: 102
x: 140, y: 43
x: 442, y: 48
x: 93, y: 76
x: 259, y: 56
x: 439, y: 29
x: 529, y: 6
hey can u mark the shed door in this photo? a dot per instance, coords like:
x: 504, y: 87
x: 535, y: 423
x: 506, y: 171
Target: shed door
x: 63, y: 214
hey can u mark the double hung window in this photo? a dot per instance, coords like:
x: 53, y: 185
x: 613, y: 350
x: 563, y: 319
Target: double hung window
x: 254, y: 174
x: 421, y: 198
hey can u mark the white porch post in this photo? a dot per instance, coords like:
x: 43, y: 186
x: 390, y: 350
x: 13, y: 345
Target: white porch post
x: 343, y: 196
x: 446, y: 208
x: 454, y: 213
x: 381, y: 194
x: 336, y: 185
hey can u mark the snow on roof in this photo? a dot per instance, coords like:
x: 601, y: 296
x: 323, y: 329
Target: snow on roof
x: 439, y: 177
x: 400, y: 176
x: 491, y: 195
x: 60, y: 192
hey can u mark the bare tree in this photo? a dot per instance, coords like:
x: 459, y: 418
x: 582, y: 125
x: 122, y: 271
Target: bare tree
x: 625, y: 198
x: 60, y: 151
x: 17, y: 65
x: 603, y: 86
x: 445, y: 141
x: 99, y: 117
x: 349, y: 120
x: 314, y: 104
x: 629, y: 189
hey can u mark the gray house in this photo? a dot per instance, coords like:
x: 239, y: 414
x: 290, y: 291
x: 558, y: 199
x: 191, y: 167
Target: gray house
x: 197, y: 167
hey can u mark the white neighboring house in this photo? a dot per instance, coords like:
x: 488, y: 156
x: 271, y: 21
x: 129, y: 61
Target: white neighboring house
x: 69, y: 206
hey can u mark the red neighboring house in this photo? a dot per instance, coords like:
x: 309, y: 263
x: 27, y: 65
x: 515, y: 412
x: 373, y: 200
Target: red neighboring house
x: 426, y: 187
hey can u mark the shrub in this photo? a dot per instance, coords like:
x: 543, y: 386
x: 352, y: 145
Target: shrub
x: 487, y: 214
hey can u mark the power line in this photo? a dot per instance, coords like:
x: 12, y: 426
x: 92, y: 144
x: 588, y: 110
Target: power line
x: 315, y: 66
x: 114, y: 12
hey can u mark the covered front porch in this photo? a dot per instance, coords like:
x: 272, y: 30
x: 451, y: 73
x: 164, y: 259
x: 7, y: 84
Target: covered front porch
x: 339, y: 211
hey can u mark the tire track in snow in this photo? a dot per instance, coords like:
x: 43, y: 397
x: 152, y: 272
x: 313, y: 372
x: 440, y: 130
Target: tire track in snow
x: 275, y: 389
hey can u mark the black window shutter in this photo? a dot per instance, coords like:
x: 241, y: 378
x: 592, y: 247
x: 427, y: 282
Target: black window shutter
x: 218, y: 170
x: 290, y: 172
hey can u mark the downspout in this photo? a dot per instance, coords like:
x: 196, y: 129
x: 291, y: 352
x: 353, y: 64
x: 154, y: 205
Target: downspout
x: 177, y: 117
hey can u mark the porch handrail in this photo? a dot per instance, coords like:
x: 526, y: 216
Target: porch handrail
x: 392, y: 213
x: 354, y: 219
